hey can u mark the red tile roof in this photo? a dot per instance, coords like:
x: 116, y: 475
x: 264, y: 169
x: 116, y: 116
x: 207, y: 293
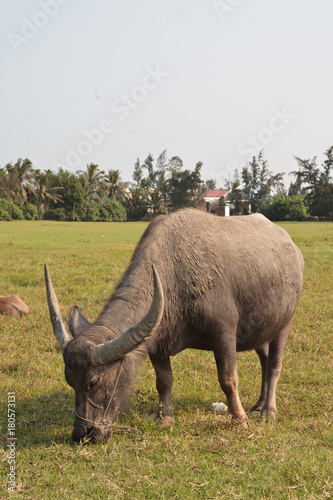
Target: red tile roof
x: 215, y: 193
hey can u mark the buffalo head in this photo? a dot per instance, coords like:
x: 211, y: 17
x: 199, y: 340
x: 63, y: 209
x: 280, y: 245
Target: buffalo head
x: 99, y: 365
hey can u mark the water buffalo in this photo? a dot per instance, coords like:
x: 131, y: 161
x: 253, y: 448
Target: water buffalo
x: 12, y: 305
x: 195, y: 281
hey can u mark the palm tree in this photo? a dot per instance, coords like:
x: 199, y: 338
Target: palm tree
x: 93, y: 182
x: 156, y: 203
x: 20, y: 180
x: 135, y: 202
x: 276, y: 182
x: 45, y: 192
x: 114, y: 187
x: 3, y: 182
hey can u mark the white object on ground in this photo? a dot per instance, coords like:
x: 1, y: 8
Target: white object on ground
x: 219, y: 408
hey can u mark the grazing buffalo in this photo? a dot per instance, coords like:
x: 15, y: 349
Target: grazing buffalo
x: 11, y: 305
x: 195, y: 281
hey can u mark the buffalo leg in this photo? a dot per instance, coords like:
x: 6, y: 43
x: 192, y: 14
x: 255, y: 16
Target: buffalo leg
x: 164, y: 382
x: 226, y: 364
x: 263, y: 356
x: 274, y: 365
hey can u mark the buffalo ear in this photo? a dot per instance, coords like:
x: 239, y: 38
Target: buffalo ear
x: 76, y: 322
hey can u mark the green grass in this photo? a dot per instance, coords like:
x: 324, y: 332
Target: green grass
x: 202, y: 457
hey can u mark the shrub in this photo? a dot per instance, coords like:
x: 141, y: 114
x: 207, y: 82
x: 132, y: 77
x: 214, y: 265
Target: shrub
x: 108, y: 211
x: 88, y: 212
x: 30, y: 212
x: 286, y: 208
x: 112, y: 211
x: 4, y: 215
x: 56, y: 214
x: 10, y: 211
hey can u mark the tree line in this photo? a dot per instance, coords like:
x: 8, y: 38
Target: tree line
x: 160, y: 186
x: 93, y: 195
x: 257, y: 189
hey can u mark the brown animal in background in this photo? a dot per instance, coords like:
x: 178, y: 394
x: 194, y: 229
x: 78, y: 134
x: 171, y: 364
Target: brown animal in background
x: 223, y: 284
x: 11, y: 305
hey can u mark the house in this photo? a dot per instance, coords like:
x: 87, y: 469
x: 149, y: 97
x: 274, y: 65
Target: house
x: 225, y: 202
x: 218, y: 201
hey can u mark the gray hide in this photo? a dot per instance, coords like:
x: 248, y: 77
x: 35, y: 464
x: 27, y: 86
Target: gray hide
x: 229, y: 284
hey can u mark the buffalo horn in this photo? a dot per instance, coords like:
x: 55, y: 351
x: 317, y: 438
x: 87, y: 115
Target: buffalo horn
x: 58, y: 324
x: 134, y: 336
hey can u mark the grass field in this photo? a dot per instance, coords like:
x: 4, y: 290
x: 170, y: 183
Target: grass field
x: 201, y: 457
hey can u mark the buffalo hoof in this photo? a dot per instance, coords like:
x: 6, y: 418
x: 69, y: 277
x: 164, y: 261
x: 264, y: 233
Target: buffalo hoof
x: 257, y: 407
x: 268, y: 414
x: 244, y: 424
x: 240, y: 422
x: 166, y: 422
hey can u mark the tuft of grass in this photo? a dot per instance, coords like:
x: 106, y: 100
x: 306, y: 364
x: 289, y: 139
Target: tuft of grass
x: 201, y: 457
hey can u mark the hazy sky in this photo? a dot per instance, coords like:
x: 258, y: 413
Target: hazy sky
x: 213, y: 81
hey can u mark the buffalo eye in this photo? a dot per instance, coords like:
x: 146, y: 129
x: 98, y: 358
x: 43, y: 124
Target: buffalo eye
x: 93, y: 384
